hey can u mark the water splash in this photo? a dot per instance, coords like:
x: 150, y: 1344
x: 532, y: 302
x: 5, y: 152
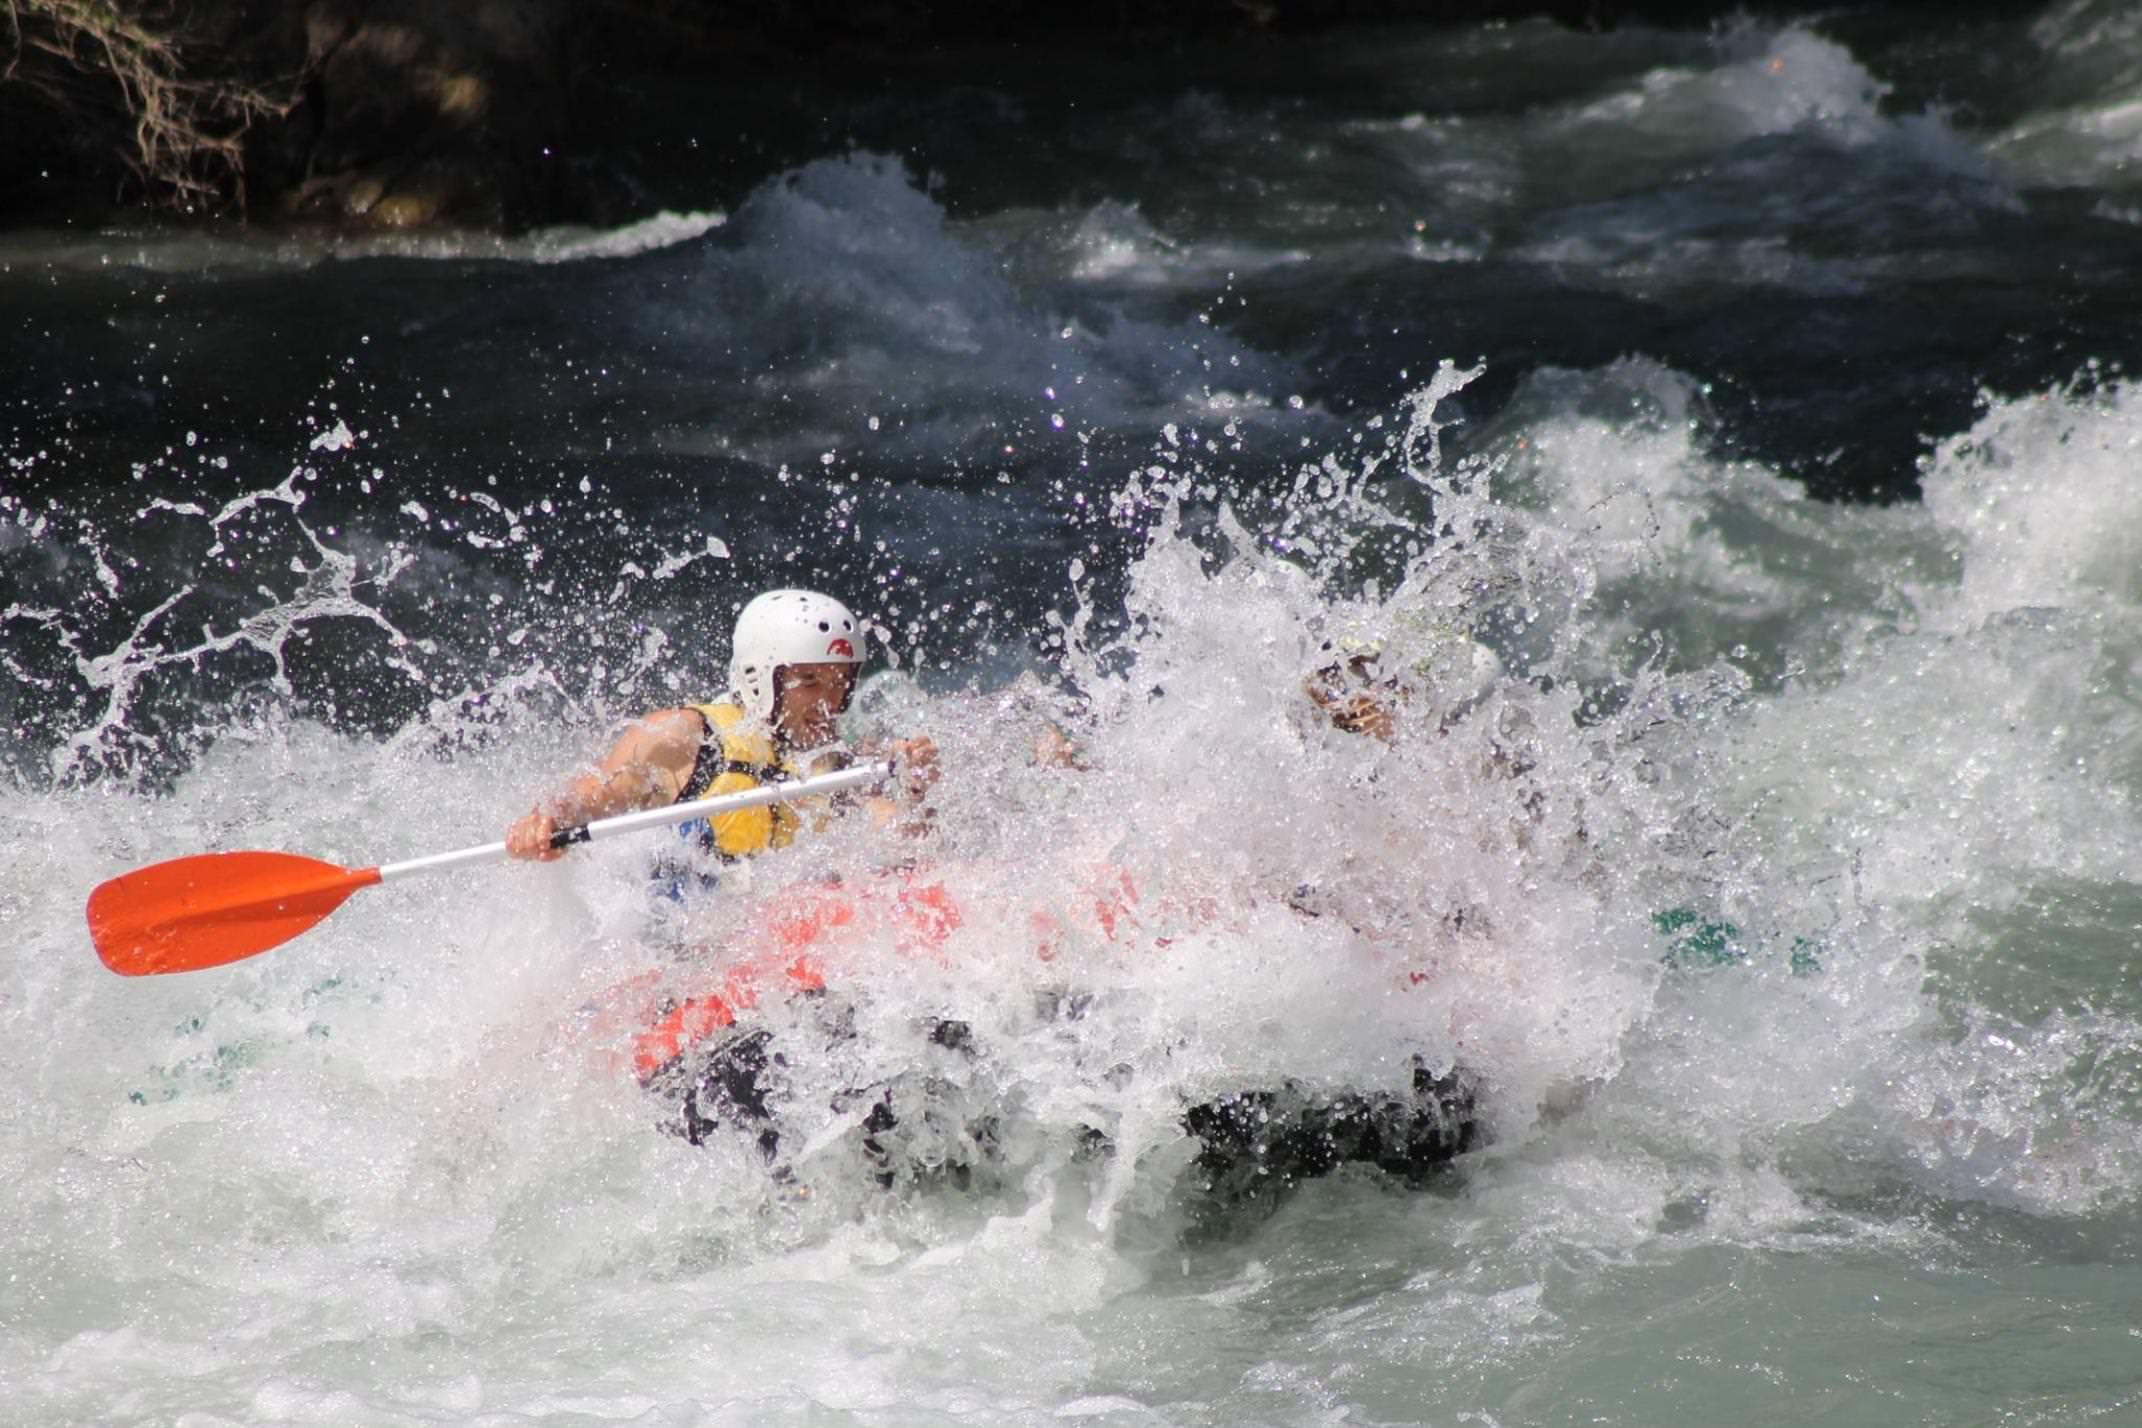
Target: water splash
x: 413, y: 1097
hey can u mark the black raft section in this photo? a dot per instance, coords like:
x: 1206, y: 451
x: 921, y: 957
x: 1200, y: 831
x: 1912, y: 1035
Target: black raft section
x: 1252, y: 1143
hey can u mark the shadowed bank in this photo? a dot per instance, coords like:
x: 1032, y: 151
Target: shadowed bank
x: 397, y: 113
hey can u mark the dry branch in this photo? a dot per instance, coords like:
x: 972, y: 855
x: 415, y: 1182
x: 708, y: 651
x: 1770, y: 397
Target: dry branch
x: 184, y: 129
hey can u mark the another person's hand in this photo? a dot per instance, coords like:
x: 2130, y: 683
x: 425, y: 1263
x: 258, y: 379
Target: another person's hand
x: 1352, y: 711
x: 915, y: 770
x: 1053, y: 749
x: 1363, y: 714
x: 530, y: 836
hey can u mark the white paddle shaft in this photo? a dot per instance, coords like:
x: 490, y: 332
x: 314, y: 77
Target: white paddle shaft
x: 861, y: 776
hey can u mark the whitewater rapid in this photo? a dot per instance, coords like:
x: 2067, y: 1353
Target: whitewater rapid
x: 382, y: 1139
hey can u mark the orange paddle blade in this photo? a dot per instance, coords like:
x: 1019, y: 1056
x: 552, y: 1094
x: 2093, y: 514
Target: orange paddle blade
x: 213, y: 908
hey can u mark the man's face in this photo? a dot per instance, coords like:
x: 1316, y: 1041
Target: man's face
x: 810, y: 698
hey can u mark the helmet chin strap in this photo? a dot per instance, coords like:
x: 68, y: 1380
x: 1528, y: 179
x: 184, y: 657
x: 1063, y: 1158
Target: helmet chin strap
x: 773, y: 720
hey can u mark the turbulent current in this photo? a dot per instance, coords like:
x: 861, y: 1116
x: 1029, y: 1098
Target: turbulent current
x: 1723, y: 441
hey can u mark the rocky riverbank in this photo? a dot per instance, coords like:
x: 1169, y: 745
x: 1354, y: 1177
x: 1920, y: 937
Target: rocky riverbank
x: 507, y: 113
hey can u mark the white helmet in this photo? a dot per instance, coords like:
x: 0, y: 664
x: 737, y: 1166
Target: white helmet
x: 783, y: 627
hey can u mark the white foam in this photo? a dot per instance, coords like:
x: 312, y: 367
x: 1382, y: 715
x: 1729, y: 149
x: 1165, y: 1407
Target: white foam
x: 845, y: 277
x: 1701, y: 165
x: 1764, y: 82
x: 2039, y: 504
x: 2081, y: 124
x: 186, y: 250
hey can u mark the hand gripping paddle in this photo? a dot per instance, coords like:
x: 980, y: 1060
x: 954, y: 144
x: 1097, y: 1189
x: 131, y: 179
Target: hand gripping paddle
x: 212, y: 908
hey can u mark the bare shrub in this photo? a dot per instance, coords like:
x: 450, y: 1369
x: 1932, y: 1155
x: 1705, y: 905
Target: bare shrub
x: 183, y: 124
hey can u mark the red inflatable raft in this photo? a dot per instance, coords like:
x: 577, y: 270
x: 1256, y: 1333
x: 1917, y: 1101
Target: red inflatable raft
x: 690, y: 1039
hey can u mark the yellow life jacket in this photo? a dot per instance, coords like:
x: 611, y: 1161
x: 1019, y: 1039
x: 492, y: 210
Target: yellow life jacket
x: 734, y: 758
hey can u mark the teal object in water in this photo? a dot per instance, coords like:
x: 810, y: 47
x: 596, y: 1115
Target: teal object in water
x: 1699, y: 943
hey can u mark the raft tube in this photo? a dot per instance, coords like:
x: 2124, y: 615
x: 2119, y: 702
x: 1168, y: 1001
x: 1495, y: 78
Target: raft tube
x: 693, y: 1046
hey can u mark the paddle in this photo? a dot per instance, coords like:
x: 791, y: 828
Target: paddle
x: 212, y: 908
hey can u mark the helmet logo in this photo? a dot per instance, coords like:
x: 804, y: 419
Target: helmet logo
x: 841, y: 648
